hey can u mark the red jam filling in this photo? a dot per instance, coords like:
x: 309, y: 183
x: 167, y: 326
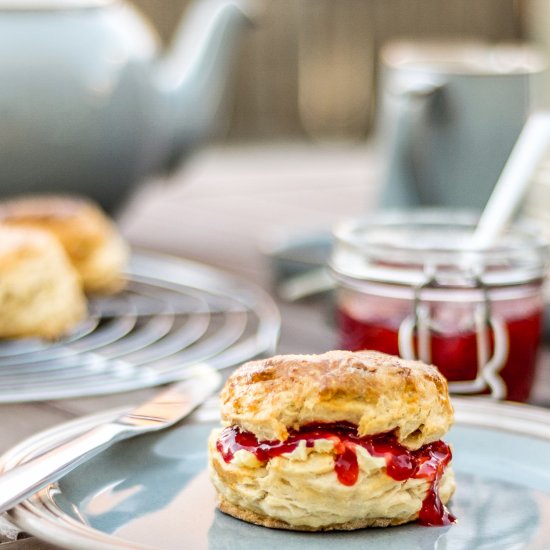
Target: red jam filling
x: 455, y: 354
x: 428, y: 462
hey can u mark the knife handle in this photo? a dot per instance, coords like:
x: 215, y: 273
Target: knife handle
x: 29, y: 477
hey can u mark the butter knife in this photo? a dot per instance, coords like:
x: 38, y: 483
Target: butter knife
x: 163, y: 411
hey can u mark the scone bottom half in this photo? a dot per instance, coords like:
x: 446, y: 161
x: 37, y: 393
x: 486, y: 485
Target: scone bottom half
x: 334, y: 466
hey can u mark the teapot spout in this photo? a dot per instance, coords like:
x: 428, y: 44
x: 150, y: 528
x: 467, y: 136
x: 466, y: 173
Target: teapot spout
x: 194, y: 75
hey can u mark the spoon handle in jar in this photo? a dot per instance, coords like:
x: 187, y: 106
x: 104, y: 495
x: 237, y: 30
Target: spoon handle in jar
x: 513, y: 183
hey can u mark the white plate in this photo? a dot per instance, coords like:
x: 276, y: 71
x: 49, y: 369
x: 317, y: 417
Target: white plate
x: 153, y: 492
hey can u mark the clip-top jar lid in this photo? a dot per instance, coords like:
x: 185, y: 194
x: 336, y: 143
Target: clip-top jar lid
x: 45, y: 5
x: 406, y: 248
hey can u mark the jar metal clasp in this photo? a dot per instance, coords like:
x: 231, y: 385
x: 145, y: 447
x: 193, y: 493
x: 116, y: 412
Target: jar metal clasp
x: 418, y: 327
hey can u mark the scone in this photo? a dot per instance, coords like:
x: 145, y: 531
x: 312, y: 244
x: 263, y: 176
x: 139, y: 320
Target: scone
x: 341, y: 441
x: 40, y: 292
x: 90, y: 239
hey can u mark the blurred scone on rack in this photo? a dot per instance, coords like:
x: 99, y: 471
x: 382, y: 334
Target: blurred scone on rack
x: 40, y: 291
x: 337, y: 441
x: 90, y: 238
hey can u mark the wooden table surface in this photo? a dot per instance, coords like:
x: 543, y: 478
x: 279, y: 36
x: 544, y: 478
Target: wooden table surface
x: 219, y: 209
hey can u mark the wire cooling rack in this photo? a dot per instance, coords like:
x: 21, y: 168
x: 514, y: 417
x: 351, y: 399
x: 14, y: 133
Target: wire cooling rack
x: 172, y: 314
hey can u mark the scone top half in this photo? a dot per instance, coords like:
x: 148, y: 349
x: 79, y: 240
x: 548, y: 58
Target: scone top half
x: 378, y: 393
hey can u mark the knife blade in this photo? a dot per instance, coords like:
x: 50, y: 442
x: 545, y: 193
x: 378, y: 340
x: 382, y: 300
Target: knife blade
x: 164, y: 410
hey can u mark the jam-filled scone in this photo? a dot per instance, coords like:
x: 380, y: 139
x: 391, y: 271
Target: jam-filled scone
x: 90, y: 239
x: 40, y: 292
x: 340, y: 440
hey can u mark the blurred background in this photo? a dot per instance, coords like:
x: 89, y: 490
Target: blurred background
x: 309, y: 68
x: 294, y: 104
x: 304, y: 111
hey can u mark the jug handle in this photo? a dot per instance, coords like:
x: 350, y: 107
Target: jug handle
x: 399, y: 187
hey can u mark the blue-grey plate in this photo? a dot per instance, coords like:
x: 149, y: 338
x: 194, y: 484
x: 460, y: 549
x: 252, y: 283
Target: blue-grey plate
x: 154, y: 492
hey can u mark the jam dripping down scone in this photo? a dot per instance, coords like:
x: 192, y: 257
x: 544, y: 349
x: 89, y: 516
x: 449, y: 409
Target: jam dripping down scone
x: 337, y: 441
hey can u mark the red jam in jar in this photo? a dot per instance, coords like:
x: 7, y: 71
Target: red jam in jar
x: 427, y: 463
x: 409, y: 286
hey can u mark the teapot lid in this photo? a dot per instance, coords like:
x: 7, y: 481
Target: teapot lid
x: 39, y: 5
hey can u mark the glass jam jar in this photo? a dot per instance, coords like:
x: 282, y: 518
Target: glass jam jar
x: 410, y: 285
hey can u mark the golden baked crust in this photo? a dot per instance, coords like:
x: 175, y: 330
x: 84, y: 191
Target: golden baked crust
x: 90, y: 239
x: 266, y: 521
x: 377, y: 392
x: 40, y: 292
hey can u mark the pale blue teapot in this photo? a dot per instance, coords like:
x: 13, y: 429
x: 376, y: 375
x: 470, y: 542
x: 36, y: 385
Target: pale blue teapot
x: 89, y: 105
